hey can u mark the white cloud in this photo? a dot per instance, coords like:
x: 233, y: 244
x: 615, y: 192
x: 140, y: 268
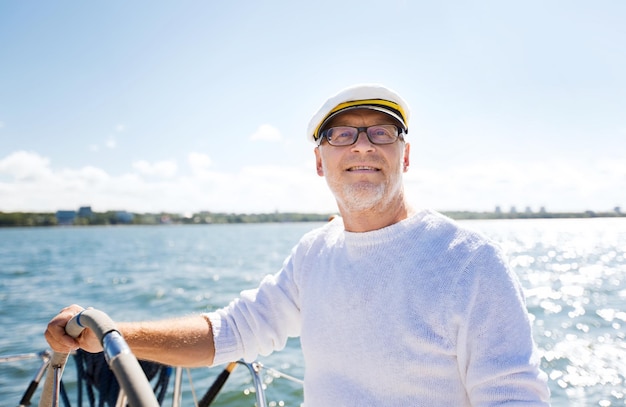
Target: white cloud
x: 165, y: 169
x: 1, y: 124
x: 33, y: 185
x: 558, y: 185
x: 200, y: 164
x: 199, y: 160
x: 266, y: 132
x: 25, y: 166
x: 29, y: 182
x: 111, y: 142
x: 88, y: 175
x: 255, y: 189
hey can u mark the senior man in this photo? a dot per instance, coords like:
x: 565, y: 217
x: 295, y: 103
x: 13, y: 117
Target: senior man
x: 394, y: 306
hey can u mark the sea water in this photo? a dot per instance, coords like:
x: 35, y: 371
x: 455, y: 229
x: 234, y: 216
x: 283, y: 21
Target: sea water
x: 573, y: 272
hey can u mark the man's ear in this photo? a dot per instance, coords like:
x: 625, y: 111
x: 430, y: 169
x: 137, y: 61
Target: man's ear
x: 318, y: 162
x: 406, y: 159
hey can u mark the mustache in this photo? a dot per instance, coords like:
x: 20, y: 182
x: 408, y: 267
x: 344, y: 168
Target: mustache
x: 375, y: 162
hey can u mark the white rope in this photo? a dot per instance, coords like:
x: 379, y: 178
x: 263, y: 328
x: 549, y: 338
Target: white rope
x: 193, y: 390
x: 23, y: 356
x: 281, y: 374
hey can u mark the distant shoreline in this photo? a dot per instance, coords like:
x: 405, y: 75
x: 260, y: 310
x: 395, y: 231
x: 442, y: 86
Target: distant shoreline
x: 72, y: 218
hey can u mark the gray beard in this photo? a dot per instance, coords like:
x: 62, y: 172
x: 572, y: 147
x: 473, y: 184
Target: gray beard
x: 362, y: 197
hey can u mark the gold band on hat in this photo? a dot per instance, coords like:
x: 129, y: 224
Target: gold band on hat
x: 386, y: 106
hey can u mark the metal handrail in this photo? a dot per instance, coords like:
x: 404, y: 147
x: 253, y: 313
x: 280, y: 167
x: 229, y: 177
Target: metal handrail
x: 120, y: 359
x: 134, y: 386
x: 254, y: 369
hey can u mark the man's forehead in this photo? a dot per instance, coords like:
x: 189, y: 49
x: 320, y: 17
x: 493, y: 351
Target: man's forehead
x: 361, y: 114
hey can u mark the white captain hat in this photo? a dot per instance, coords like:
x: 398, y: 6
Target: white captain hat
x: 363, y: 96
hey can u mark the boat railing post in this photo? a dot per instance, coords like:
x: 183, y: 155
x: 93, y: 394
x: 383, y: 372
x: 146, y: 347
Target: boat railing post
x: 255, y: 371
x: 178, y: 380
x: 25, y: 401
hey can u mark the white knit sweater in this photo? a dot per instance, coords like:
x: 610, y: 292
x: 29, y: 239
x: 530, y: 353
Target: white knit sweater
x: 420, y: 313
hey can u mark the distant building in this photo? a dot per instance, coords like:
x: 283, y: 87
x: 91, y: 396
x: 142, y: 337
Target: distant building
x: 124, y: 217
x: 85, y: 212
x: 166, y: 219
x: 65, y: 218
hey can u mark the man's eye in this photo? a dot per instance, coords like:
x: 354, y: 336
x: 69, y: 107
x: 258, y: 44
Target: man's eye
x: 380, y: 131
x: 341, y: 133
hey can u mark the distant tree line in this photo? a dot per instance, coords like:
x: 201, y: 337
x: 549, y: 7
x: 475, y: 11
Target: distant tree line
x: 16, y: 219
x: 461, y: 215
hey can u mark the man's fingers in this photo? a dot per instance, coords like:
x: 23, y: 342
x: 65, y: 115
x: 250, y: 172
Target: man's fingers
x: 55, y: 332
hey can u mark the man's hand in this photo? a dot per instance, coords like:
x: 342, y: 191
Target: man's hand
x: 60, y: 341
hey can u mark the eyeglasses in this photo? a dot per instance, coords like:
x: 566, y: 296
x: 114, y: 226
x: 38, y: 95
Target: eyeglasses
x: 341, y: 136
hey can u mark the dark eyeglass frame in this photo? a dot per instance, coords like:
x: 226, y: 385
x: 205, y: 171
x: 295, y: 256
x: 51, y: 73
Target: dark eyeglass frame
x: 325, y: 132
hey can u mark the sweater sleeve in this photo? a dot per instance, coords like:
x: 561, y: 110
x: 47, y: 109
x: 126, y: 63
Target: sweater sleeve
x: 497, y: 355
x: 259, y: 321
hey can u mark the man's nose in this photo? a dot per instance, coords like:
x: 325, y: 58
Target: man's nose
x: 363, y: 143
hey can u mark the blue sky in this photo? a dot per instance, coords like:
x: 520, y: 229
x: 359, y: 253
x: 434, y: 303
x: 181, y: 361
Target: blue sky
x: 197, y: 105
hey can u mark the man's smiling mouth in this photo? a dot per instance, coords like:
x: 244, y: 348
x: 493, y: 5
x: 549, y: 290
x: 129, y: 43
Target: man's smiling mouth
x: 362, y: 168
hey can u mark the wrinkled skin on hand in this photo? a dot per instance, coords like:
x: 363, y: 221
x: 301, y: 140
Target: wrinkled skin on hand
x: 60, y: 341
